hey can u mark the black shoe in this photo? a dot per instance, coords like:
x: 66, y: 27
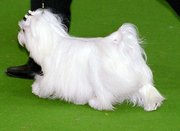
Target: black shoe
x: 175, y: 4
x: 27, y: 71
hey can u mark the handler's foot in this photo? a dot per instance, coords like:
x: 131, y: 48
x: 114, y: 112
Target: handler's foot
x: 27, y: 71
x: 175, y: 4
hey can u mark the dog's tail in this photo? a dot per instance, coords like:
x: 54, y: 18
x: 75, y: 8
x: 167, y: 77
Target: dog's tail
x: 128, y: 29
x: 128, y: 41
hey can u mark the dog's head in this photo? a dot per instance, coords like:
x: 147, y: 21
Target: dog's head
x: 25, y: 27
x: 40, y: 26
x: 40, y: 32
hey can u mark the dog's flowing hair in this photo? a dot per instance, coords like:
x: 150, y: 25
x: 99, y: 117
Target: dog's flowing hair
x: 99, y: 71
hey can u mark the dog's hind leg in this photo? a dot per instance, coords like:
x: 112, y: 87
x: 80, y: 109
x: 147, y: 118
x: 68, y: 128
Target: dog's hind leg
x: 147, y: 97
x: 101, y: 103
x: 102, y: 99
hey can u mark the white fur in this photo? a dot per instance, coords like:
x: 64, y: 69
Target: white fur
x: 99, y: 71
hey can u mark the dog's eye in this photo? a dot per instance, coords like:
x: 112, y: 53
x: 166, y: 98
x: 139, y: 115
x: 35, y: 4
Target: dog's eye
x: 23, y: 30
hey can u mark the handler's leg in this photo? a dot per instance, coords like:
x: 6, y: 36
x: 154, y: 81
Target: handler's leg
x: 175, y: 4
x: 60, y: 7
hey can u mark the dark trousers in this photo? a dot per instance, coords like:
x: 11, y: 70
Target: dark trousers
x: 175, y: 4
x: 61, y: 7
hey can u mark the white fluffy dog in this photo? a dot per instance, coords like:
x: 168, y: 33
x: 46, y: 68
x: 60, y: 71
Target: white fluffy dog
x: 99, y: 71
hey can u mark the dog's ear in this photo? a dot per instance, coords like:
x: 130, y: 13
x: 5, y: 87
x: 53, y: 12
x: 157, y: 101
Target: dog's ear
x: 21, y: 39
x: 21, y: 43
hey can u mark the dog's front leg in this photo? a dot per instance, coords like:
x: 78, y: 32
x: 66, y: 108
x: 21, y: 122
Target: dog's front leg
x: 36, y: 85
x: 43, y: 87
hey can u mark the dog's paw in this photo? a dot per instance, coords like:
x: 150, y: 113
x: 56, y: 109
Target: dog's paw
x: 35, y: 89
x: 99, y: 105
x: 152, y: 107
x: 151, y: 98
x: 153, y: 104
